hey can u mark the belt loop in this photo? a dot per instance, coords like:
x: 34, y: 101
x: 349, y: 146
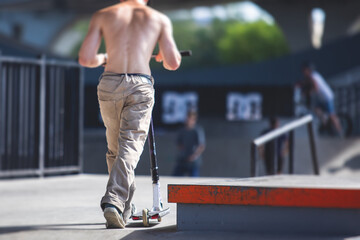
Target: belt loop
x: 100, y: 77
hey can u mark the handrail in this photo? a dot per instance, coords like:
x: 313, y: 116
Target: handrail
x: 288, y: 128
x: 39, y: 61
x: 282, y: 130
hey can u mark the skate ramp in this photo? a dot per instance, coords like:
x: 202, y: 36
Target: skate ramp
x: 271, y: 205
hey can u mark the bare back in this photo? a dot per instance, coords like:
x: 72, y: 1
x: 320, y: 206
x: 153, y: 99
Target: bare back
x: 131, y: 32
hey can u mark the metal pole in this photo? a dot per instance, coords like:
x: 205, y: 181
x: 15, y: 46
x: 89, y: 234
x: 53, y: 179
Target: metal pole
x: 2, y: 113
x: 50, y: 119
x: 152, y: 151
x: 291, y: 152
x: 356, y: 107
x: 9, y: 113
x: 253, y: 160
x: 33, y: 143
x: 26, y: 115
x: 21, y: 117
x: 42, y: 115
x: 81, y: 118
x: 313, y: 148
x: 357, y: 117
x: 276, y: 154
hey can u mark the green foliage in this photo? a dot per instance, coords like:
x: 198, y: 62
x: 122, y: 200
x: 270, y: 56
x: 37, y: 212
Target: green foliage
x: 201, y: 40
x: 251, y: 42
x: 229, y: 42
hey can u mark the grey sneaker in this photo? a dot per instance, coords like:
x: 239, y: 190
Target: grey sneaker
x: 114, y: 218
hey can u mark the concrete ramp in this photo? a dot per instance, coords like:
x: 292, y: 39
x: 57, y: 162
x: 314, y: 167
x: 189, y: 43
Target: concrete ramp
x: 278, y: 204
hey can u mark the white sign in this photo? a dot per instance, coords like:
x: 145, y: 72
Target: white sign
x: 244, y: 106
x: 176, y: 105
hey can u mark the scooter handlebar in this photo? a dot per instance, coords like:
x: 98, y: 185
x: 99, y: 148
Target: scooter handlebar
x: 183, y: 53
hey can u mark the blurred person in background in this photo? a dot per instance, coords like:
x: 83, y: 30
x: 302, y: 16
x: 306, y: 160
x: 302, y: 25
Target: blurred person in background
x: 191, y: 144
x: 131, y: 31
x: 322, y: 96
x: 274, y: 152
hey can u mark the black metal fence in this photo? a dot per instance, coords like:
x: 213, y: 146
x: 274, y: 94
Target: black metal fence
x: 347, y: 94
x: 41, y: 102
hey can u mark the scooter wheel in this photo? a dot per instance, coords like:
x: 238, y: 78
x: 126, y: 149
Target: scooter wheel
x: 145, y: 217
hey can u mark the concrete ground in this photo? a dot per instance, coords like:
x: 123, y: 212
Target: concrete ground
x: 67, y: 207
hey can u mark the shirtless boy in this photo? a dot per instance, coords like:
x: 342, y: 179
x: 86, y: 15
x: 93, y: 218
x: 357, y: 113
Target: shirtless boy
x: 131, y: 31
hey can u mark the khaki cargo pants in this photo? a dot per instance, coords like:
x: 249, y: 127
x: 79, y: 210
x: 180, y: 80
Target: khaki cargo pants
x: 126, y: 102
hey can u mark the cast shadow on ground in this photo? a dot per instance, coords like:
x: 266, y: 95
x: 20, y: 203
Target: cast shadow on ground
x: 139, y: 224
x: 352, y: 164
x: 171, y: 232
x: 150, y: 233
x: 54, y: 227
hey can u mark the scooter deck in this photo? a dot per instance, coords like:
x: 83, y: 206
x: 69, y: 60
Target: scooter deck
x: 151, y: 214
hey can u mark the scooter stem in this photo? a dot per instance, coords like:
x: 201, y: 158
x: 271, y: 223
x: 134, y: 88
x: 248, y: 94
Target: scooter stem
x: 154, y: 169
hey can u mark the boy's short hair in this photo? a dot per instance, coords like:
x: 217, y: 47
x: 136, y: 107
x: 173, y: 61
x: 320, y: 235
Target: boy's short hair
x: 192, y: 113
x: 308, y: 65
x: 273, y: 120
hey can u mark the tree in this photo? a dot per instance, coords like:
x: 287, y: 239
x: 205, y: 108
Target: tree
x: 251, y: 42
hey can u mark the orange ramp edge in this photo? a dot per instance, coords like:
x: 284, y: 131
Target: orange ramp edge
x: 258, y: 196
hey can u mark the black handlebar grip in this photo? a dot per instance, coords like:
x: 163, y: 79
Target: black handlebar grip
x: 186, y: 53
x: 183, y: 53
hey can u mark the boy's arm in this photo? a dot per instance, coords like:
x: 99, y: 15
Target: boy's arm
x: 168, y: 54
x: 198, y: 151
x: 201, y: 147
x: 88, y: 56
x: 315, y: 86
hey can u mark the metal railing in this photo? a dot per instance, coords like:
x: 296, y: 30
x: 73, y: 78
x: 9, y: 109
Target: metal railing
x: 288, y: 128
x: 41, y: 116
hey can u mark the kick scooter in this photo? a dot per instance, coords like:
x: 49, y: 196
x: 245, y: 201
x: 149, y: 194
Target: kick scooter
x: 157, y: 211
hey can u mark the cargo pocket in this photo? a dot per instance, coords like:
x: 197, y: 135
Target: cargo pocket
x: 108, y: 113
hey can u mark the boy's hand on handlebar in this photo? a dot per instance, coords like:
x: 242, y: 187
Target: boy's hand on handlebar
x: 159, y: 57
